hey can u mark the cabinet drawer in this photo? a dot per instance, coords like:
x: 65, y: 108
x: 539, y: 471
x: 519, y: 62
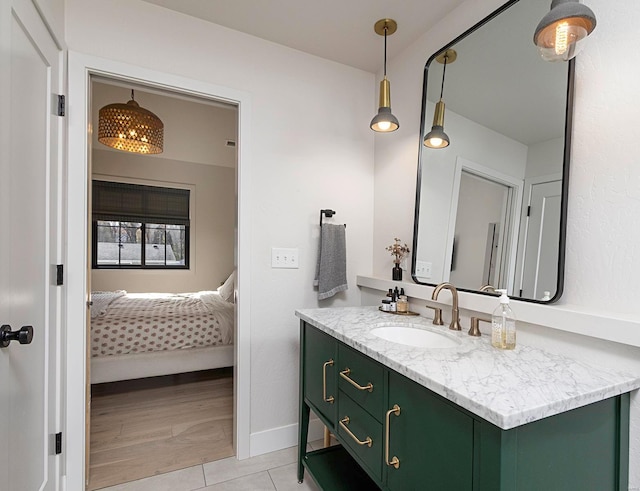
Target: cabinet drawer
x: 360, y: 426
x: 362, y: 379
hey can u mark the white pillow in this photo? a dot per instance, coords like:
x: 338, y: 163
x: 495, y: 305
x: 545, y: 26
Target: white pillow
x: 226, y: 290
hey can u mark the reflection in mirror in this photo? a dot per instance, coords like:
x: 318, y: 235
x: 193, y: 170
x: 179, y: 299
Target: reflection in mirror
x: 491, y: 207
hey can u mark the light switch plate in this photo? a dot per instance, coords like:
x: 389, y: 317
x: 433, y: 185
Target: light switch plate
x: 286, y: 258
x: 423, y: 269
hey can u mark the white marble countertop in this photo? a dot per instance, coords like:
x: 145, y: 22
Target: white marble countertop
x: 507, y: 388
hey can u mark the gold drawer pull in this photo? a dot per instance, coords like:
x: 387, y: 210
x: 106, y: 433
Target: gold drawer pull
x: 329, y: 399
x: 344, y: 422
x: 395, y: 462
x: 345, y: 375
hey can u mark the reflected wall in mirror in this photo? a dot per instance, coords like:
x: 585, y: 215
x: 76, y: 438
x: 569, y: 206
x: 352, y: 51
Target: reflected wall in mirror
x: 491, y: 207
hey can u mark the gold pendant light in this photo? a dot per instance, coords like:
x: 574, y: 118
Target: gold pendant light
x: 385, y: 121
x: 131, y: 128
x: 437, y: 138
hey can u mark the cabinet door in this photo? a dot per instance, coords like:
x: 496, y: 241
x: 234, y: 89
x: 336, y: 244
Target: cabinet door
x: 320, y: 369
x: 432, y: 440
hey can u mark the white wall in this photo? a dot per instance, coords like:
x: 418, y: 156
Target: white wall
x: 545, y: 158
x: 53, y: 13
x: 602, y: 264
x: 311, y: 149
x: 212, y: 222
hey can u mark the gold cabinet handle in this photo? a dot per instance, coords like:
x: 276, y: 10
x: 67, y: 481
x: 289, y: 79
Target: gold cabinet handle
x: 344, y: 422
x: 329, y: 399
x: 345, y: 375
x: 395, y: 462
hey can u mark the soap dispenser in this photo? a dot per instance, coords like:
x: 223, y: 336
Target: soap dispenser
x: 503, y: 324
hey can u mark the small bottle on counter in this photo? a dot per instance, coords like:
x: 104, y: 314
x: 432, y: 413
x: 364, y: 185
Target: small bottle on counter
x: 386, y: 305
x: 403, y: 304
x: 394, y: 303
x: 503, y: 324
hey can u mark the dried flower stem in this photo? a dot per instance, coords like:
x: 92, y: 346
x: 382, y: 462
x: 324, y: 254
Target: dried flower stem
x: 398, y: 250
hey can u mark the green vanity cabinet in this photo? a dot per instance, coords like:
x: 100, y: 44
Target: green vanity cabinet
x: 396, y: 435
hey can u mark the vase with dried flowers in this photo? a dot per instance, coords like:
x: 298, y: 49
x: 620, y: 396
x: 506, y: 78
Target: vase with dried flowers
x: 398, y: 251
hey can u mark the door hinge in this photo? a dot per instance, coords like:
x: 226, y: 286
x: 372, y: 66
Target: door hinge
x: 58, y: 443
x: 528, y: 211
x: 61, y: 105
x: 59, y: 274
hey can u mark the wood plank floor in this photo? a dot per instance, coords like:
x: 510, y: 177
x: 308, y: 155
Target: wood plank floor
x: 151, y: 426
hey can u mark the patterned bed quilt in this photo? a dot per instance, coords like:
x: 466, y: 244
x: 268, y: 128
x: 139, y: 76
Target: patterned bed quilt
x: 124, y: 323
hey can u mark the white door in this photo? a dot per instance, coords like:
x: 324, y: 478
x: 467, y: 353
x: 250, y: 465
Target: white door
x: 540, y: 271
x: 29, y: 248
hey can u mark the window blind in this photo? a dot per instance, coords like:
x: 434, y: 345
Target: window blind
x: 138, y: 203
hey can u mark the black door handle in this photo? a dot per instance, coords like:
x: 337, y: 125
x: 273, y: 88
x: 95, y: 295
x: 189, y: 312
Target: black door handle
x: 23, y: 336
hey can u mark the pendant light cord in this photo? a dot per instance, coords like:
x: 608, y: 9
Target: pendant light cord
x: 385, y: 51
x: 132, y: 98
x: 444, y: 71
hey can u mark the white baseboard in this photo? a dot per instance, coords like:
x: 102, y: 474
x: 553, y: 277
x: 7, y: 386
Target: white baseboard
x: 284, y: 437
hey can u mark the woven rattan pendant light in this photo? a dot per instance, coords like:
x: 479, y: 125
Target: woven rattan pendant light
x: 131, y: 128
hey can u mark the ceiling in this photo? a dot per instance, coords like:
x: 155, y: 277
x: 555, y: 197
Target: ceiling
x: 338, y: 30
x: 342, y: 31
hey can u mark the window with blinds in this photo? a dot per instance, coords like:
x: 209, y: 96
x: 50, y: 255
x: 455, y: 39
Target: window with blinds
x: 136, y: 226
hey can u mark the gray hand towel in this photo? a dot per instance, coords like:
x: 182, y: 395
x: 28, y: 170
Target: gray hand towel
x: 331, y: 268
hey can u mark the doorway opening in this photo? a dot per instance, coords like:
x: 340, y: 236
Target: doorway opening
x: 81, y: 68
x: 162, y: 276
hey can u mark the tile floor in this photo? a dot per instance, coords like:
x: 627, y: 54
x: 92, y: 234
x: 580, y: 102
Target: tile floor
x: 275, y: 471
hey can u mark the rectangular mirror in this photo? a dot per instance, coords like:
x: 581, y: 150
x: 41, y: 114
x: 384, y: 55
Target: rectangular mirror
x: 491, y: 206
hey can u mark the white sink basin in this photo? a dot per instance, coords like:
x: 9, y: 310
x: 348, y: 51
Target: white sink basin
x: 411, y: 336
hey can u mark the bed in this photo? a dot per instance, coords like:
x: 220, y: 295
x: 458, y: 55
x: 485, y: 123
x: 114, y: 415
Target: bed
x: 135, y: 335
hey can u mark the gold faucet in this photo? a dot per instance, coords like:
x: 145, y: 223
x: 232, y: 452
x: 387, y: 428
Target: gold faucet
x: 455, y: 313
x: 474, y: 330
x: 437, y: 315
x: 489, y: 289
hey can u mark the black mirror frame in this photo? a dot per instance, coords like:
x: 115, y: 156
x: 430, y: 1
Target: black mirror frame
x: 565, y: 167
